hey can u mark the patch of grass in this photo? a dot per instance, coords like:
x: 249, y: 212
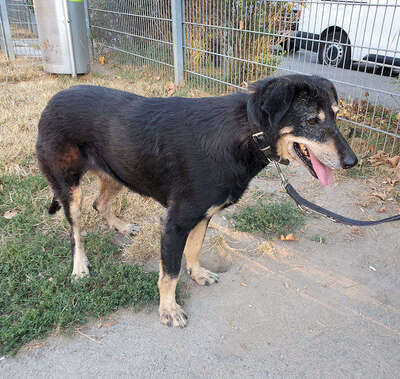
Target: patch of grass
x: 36, y: 293
x: 319, y: 239
x: 273, y: 218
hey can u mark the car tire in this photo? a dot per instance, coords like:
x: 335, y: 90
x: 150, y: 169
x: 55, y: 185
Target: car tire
x: 335, y: 51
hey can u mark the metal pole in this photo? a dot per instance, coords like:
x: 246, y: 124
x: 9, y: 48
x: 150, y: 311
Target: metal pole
x: 7, y: 44
x: 89, y: 33
x: 177, y: 35
x: 69, y: 39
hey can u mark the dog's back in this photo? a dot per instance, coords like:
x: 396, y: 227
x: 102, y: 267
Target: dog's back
x: 144, y: 143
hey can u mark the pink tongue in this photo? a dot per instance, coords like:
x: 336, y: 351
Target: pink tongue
x: 323, y: 172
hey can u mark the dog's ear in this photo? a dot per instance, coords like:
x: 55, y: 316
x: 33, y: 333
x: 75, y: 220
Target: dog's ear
x: 270, y: 100
x: 326, y: 84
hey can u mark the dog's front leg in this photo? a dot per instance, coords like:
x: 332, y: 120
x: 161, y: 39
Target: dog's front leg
x: 172, y: 244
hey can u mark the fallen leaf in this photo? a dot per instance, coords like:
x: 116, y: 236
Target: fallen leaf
x: 171, y: 88
x: 243, y: 284
x: 394, y: 161
x: 182, y: 84
x: 381, y: 210
x: 289, y: 237
x: 376, y: 156
x: 366, y: 94
x: 158, y: 77
x: 241, y: 25
x: 110, y: 323
x: 102, y: 59
x: 381, y: 196
x: 10, y: 214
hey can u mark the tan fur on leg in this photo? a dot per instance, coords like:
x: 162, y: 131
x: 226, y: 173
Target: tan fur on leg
x: 171, y: 314
x: 109, y: 188
x: 192, y: 252
x: 80, y: 259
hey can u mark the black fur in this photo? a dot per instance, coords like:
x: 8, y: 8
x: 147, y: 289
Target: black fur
x: 188, y: 154
x: 54, y: 206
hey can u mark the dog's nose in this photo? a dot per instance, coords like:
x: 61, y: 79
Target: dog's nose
x: 349, y: 160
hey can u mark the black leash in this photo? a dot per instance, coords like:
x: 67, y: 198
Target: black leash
x: 301, y: 202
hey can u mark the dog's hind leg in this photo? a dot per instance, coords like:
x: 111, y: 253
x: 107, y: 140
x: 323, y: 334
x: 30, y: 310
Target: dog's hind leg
x: 72, y: 207
x: 192, y: 252
x: 109, y: 188
x: 71, y: 199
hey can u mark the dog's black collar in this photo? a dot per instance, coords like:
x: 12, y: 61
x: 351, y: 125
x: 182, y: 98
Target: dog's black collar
x: 265, y: 148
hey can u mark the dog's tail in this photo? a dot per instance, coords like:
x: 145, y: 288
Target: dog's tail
x: 54, y: 206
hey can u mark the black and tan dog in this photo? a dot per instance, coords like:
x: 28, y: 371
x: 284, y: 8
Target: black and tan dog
x: 194, y: 156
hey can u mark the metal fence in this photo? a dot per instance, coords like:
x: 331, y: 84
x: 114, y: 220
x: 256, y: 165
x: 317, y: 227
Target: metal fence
x: 223, y: 45
x: 133, y: 32
x: 230, y: 43
x: 18, y: 29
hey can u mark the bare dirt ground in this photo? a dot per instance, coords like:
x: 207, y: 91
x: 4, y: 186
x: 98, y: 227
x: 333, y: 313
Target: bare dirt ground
x: 326, y: 305
x: 281, y: 309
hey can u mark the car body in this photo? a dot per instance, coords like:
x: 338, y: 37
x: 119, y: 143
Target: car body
x: 345, y: 32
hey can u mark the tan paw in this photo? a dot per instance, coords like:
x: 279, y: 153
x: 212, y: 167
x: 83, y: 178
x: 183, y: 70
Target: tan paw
x: 175, y: 316
x: 79, y: 273
x: 203, y: 277
x: 131, y: 229
x: 80, y: 270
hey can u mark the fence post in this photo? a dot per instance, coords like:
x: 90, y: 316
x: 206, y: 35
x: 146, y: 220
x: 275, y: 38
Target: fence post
x: 5, y: 36
x: 89, y: 32
x: 177, y: 35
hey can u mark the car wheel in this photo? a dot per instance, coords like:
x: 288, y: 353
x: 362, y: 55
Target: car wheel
x: 335, y: 51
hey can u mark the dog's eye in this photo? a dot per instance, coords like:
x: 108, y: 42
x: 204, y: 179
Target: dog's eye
x: 312, y: 121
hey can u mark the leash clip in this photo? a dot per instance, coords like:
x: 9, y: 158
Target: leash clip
x: 284, y: 180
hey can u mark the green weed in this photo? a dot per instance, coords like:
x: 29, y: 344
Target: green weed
x: 273, y: 218
x: 319, y: 239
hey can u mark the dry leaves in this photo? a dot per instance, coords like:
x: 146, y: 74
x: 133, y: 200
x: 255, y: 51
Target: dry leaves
x: 102, y: 60
x: 170, y: 88
x: 10, y: 214
x: 289, y: 237
x: 380, y: 195
x: 381, y: 158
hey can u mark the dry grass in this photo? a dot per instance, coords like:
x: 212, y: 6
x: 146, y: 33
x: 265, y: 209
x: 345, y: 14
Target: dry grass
x: 25, y: 90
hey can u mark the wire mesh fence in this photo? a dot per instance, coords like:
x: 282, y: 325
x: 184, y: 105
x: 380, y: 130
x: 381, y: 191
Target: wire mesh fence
x: 230, y: 43
x: 23, y: 28
x: 227, y: 44
x: 133, y: 32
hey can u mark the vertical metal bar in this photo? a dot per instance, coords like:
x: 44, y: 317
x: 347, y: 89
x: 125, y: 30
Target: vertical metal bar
x: 9, y: 47
x: 3, y: 46
x: 69, y: 39
x: 177, y: 34
x: 89, y: 34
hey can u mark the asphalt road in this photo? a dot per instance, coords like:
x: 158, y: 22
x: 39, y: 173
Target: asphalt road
x: 352, y: 83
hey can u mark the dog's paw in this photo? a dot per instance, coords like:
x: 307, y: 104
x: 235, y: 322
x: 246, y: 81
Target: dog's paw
x: 175, y: 316
x: 203, y: 277
x: 131, y: 229
x: 80, y: 273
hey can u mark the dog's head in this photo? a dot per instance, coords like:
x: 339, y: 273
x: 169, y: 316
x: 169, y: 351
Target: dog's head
x: 298, y: 114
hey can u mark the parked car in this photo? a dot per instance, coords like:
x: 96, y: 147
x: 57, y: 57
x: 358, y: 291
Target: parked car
x: 344, y: 32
